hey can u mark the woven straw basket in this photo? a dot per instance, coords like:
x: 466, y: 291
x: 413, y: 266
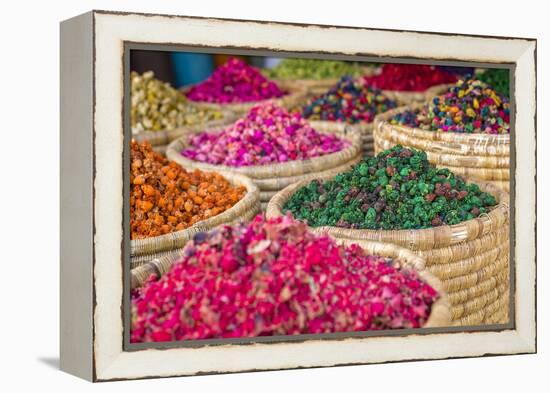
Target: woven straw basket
x: 476, y: 156
x: 440, y: 315
x: 144, y: 250
x: 409, y: 97
x: 315, y: 87
x: 296, y: 94
x: 274, y: 177
x: 471, y: 258
x: 164, y: 137
x: 363, y: 129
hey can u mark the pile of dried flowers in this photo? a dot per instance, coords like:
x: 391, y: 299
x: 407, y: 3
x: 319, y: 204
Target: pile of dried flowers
x: 267, y: 134
x: 274, y: 277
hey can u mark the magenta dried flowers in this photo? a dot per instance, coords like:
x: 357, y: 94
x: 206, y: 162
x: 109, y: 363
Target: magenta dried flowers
x: 235, y: 82
x: 267, y: 134
x: 274, y: 277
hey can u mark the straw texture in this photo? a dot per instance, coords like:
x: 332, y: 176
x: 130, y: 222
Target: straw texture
x: 295, y: 95
x: 244, y: 209
x: 409, y: 97
x: 440, y: 315
x: 164, y: 137
x: 274, y: 177
x: 470, y: 258
x: 477, y: 156
x: 139, y: 260
x: 364, y: 129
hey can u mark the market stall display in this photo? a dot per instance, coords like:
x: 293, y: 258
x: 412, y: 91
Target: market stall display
x: 158, y: 111
x: 461, y: 229
x: 317, y: 75
x: 408, y: 83
x: 237, y: 86
x: 274, y: 277
x: 271, y: 146
x: 349, y: 105
x: 168, y: 203
x: 466, y: 129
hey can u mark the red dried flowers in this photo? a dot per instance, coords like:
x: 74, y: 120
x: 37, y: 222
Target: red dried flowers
x: 408, y: 77
x: 274, y: 277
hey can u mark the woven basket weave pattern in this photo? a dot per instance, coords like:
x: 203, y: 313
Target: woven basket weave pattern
x: 164, y: 137
x: 274, y: 177
x: 463, y: 256
x: 477, y: 156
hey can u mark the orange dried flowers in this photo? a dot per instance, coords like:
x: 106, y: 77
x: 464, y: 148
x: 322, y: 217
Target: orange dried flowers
x: 165, y: 197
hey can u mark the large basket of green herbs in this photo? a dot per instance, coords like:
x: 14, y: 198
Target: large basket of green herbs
x: 461, y: 229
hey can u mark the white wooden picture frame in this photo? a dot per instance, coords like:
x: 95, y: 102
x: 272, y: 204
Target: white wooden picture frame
x: 92, y: 153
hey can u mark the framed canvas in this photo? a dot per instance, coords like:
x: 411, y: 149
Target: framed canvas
x: 154, y: 202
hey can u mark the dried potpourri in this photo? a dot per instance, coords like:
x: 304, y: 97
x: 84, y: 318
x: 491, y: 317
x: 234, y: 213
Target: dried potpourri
x: 267, y: 134
x: 499, y: 79
x: 348, y: 101
x: 470, y: 106
x: 408, y: 77
x: 314, y: 69
x: 274, y: 277
x: 158, y: 106
x: 397, y: 189
x: 235, y: 82
x: 166, y: 198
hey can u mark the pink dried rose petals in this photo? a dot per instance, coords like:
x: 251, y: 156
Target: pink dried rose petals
x: 268, y: 134
x: 235, y: 82
x: 274, y: 277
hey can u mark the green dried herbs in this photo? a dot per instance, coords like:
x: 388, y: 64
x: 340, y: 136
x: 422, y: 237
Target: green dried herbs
x: 499, y: 79
x: 156, y: 106
x: 398, y: 189
x: 313, y: 69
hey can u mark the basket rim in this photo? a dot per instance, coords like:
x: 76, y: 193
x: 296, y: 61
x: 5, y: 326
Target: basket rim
x: 441, y: 235
x: 294, y: 92
x: 167, y: 241
x: 415, y: 95
x: 382, y: 121
x: 286, y: 169
x: 477, y: 168
x: 167, y: 135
